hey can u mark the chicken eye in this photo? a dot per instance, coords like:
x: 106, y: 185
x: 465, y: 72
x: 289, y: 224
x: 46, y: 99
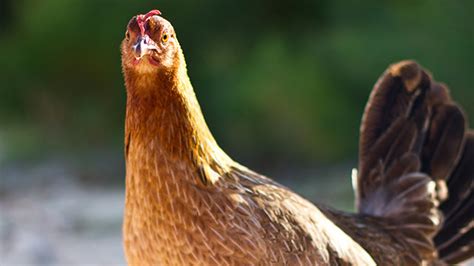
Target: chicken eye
x: 127, y: 35
x: 164, y: 38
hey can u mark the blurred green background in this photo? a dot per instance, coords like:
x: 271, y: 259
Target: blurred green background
x: 278, y: 81
x: 282, y: 84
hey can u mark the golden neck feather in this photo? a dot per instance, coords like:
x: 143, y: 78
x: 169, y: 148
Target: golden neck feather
x: 163, y: 109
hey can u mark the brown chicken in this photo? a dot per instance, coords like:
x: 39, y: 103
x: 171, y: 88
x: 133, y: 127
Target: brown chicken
x: 188, y: 203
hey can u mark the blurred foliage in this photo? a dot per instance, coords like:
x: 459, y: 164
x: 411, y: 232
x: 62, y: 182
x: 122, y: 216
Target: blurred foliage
x: 280, y: 82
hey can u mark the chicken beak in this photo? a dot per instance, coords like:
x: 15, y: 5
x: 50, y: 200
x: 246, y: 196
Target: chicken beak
x: 143, y: 46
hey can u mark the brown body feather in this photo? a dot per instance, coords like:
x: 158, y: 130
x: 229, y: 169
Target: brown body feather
x: 188, y: 203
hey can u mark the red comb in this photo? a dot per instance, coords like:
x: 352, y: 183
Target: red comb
x: 141, y: 19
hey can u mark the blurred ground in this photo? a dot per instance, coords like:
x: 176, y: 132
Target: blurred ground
x: 51, y: 214
x: 73, y: 225
x: 49, y: 217
x: 60, y: 220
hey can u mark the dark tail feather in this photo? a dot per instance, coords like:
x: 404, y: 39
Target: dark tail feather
x: 413, y: 136
x: 455, y: 240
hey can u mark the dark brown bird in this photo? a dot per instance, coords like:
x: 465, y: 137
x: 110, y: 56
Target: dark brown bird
x: 188, y: 203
